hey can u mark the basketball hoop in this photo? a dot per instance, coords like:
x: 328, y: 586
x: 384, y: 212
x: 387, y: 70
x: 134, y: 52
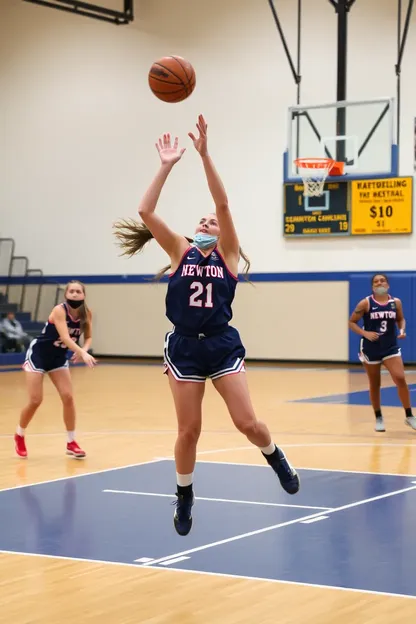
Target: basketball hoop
x: 314, y: 172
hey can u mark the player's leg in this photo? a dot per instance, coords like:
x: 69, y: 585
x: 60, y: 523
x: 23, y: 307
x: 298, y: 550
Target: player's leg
x: 234, y: 390
x: 225, y: 355
x: 61, y: 379
x: 374, y: 381
x: 34, y: 386
x: 187, y: 397
x: 394, y: 365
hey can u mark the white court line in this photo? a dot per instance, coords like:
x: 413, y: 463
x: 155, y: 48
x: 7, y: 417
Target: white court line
x: 228, y: 450
x: 381, y: 474
x: 280, y: 525
x: 314, y: 444
x: 373, y: 444
x: 219, y: 574
x: 283, y: 582
x: 172, y: 561
x: 109, y: 432
x: 78, y: 476
x: 64, y: 558
x: 222, y: 450
x: 308, y: 445
x: 219, y: 500
x: 315, y: 520
x: 170, y: 458
x: 103, y: 433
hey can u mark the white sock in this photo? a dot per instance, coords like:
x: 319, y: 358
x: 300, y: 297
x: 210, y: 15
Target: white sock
x: 268, y: 450
x: 71, y: 436
x: 20, y: 431
x: 184, y: 480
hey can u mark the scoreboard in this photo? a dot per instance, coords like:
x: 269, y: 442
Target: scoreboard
x: 350, y: 208
x: 326, y: 215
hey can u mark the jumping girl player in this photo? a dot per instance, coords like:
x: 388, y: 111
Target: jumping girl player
x: 202, y: 344
x: 48, y: 353
x: 381, y: 313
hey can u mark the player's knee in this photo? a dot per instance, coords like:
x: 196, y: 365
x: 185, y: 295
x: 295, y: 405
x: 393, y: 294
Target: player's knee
x: 400, y: 380
x: 189, y: 435
x: 67, y: 398
x: 35, y: 400
x: 247, y: 426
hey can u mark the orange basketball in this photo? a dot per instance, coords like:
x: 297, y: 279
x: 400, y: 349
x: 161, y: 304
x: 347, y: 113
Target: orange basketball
x: 172, y: 79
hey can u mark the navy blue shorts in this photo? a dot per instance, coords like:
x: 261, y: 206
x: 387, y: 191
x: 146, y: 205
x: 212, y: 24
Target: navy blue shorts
x: 195, y: 359
x: 372, y: 354
x: 42, y: 359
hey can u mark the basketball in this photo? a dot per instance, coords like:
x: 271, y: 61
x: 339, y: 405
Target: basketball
x: 172, y: 79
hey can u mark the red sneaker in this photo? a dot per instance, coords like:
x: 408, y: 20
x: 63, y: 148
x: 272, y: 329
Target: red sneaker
x: 20, y: 446
x: 73, y: 449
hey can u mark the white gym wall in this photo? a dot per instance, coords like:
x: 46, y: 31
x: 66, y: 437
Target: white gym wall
x: 79, y: 123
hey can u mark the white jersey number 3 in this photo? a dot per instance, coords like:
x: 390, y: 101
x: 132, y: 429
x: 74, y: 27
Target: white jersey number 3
x: 383, y: 326
x: 199, y: 298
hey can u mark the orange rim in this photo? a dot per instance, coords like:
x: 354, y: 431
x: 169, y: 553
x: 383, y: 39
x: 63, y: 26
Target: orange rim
x: 315, y: 163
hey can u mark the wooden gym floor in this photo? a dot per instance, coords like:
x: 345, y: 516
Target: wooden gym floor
x: 73, y: 549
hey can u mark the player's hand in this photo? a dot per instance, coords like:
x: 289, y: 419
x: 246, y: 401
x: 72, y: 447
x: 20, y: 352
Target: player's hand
x: 372, y: 336
x: 200, y: 143
x: 402, y: 334
x: 88, y: 359
x: 169, y: 155
x: 76, y: 359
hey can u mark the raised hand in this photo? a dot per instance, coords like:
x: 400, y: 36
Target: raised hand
x: 200, y: 143
x: 169, y: 155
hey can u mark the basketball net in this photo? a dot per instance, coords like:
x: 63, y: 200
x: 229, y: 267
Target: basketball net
x: 314, y: 172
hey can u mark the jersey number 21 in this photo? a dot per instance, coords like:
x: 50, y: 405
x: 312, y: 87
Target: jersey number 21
x: 202, y: 297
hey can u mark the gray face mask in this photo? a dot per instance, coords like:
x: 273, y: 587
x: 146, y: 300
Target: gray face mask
x: 381, y: 290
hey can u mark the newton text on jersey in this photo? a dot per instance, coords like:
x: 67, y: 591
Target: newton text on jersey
x: 196, y: 270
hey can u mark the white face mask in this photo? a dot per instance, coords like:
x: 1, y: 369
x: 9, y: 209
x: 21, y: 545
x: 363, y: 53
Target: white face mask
x: 381, y: 290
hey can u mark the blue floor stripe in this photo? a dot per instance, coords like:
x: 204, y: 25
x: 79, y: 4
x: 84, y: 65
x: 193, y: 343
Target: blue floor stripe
x: 389, y: 397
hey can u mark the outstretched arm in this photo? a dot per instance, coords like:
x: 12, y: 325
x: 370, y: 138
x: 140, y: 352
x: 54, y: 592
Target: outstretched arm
x: 87, y: 337
x: 172, y: 243
x: 229, y: 239
x: 58, y: 317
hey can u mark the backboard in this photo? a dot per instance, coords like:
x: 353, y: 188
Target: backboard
x: 361, y: 134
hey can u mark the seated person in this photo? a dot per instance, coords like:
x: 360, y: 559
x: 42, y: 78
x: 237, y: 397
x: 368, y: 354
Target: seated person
x: 15, y: 338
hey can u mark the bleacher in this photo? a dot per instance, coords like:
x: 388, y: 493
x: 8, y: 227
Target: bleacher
x: 22, y: 291
x: 30, y: 326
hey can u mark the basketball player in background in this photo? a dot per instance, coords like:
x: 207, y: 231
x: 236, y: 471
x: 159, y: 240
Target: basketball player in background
x: 202, y: 345
x: 381, y: 314
x: 48, y: 354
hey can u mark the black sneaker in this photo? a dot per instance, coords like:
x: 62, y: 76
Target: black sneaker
x: 182, y: 518
x: 288, y: 477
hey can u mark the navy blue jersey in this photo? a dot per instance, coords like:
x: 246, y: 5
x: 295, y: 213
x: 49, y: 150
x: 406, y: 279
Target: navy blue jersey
x: 200, y: 292
x: 381, y: 318
x: 49, y: 337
